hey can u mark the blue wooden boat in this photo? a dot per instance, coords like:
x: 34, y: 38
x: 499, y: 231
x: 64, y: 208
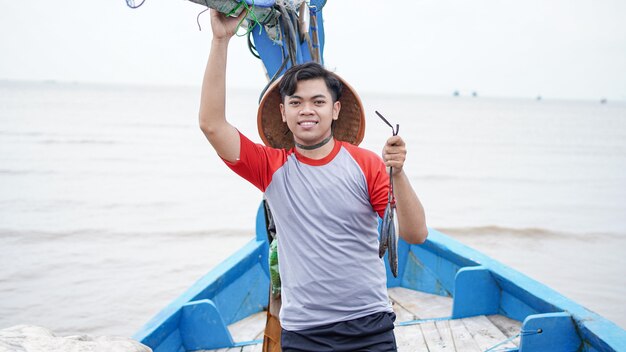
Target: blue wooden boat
x: 447, y: 296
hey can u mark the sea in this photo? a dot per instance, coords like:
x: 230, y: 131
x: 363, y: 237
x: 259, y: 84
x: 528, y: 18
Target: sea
x: 112, y: 202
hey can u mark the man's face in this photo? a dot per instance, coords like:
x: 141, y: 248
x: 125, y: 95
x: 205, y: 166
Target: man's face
x: 310, y: 111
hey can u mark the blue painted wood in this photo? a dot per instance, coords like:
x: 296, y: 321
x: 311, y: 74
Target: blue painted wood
x: 172, y: 343
x: 261, y: 225
x: 261, y: 3
x: 271, y: 53
x: 233, y: 271
x: 549, y: 332
x: 523, y: 292
x: 513, y: 307
x: 165, y: 322
x: 421, y: 272
x: 432, y: 266
x: 159, y: 328
x: 247, y: 295
x: 475, y: 293
x: 261, y: 234
x: 202, y: 327
x: 597, y: 332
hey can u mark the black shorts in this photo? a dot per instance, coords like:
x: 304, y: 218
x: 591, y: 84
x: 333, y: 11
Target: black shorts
x: 372, y: 333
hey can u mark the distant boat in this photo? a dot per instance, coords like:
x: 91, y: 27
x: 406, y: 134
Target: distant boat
x: 456, y: 93
x: 474, y: 94
x: 603, y: 101
x: 445, y: 295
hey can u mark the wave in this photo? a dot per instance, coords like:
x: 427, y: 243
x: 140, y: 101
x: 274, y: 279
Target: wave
x: 489, y: 230
x: 26, y: 172
x: 486, y: 178
x: 22, y: 134
x: 78, y: 141
x: 37, y: 235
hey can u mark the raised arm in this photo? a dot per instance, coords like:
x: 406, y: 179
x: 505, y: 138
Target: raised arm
x: 409, y: 210
x: 222, y: 135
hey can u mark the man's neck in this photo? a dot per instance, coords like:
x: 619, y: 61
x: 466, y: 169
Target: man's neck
x: 318, y: 153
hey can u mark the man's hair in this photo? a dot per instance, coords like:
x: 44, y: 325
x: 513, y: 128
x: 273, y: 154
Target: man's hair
x: 306, y: 71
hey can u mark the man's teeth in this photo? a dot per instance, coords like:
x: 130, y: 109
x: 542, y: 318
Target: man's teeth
x: 307, y: 123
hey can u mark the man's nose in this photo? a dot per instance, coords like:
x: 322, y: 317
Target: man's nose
x: 307, y: 108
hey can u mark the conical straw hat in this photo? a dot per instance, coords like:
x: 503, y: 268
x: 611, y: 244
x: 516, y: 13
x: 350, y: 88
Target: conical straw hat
x: 349, y: 127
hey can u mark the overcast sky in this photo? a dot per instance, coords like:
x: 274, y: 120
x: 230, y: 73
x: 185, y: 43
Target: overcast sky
x: 554, y: 48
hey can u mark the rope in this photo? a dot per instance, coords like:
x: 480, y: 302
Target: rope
x: 288, y: 22
x: 247, y: 343
x: 314, y: 34
x: 252, y: 47
x: 250, y: 13
x: 201, y: 12
x: 521, y: 333
x: 282, y: 66
x: 289, y: 49
x: 290, y: 38
x: 290, y: 4
x: 420, y: 321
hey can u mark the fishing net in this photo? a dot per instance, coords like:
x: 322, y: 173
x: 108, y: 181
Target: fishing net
x: 289, y: 4
x: 274, y: 274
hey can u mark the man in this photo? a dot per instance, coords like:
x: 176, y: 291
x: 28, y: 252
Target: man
x: 325, y: 196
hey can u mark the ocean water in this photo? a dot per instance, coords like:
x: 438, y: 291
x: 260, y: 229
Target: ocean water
x: 112, y: 203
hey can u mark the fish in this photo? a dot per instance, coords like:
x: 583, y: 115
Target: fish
x: 384, y: 232
x: 393, y: 243
x: 389, y: 238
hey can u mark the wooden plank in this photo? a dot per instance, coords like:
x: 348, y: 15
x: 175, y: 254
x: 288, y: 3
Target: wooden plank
x: 253, y: 348
x: 248, y: 328
x: 508, y: 326
x: 410, y: 339
x: 445, y: 333
x: 256, y: 347
x: 422, y: 305
x: 234, y: 349
x: 485, y: 333
x: 437, y: 340
x: 402, y: 314
x: 462, y: 338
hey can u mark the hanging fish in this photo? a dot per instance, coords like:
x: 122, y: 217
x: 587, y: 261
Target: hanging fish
x: 384, y: 232
x: 388, y: 237
x: 393, y: 243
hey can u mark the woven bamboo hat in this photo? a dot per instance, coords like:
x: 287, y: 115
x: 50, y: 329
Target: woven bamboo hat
x: 349, y: 127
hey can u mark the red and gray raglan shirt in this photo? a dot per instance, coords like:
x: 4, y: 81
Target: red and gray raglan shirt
x: 326, y: 215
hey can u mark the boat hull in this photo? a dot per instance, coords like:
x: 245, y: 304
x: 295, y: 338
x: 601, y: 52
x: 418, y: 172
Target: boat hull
x: 477, y: 284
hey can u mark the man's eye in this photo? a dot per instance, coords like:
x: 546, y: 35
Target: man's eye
x: 294, y: 103
x: 320, y: 102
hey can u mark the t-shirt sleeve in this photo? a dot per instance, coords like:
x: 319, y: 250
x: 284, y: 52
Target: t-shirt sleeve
x: 378, y: 186
x: 257, y: 163
x: 376, y: 176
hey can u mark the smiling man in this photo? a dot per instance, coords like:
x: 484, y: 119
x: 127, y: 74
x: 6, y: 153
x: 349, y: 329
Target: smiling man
x: 309, y: 96
x: 325, y: 194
